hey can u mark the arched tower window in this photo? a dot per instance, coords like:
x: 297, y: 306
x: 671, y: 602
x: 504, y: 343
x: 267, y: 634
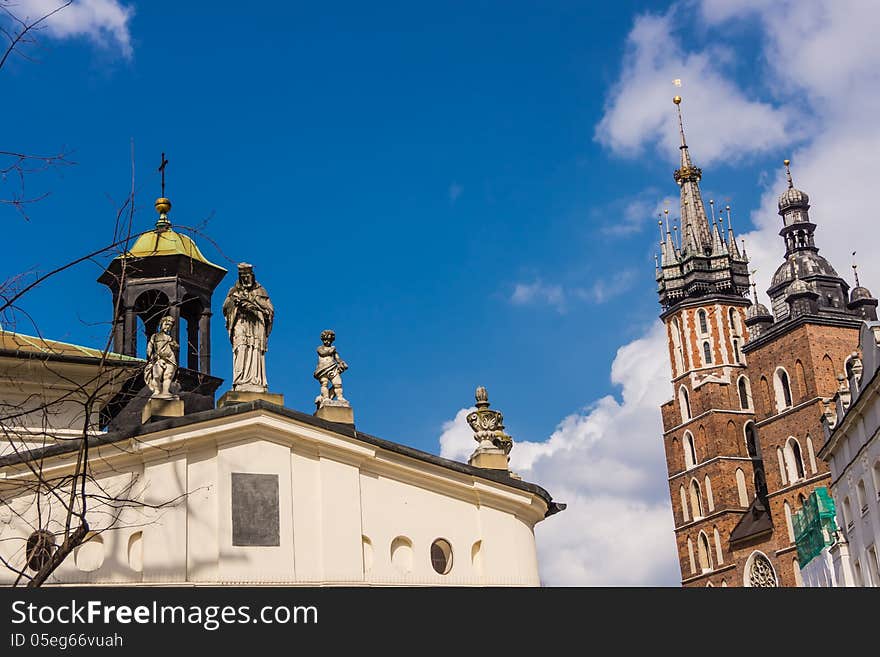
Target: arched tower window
x: 811, y: 453
x: 685, y: 513
x: 745, y: 394
x: 758, y: 571
x: 741, y: 487
x: 753, y: 447
x: 709, y: 499
x: 693, y: 562
x: 690, y: 450
x: 760, y: 483
x: 783, y: 389
x: 703, y: 322
x: 782, y: 466
x: 719, y: 551
x: 704, y: 553
x: 801, y: 379
x: 677, y: 350
x: 685, y: 403
x: 696, y: 500
x: 788, y: 524
x: 794, y: 461
x: 735, y: 328
x: 736, y: 356
x: 707, y: 353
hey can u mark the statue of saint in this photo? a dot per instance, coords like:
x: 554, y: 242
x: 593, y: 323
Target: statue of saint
x: 329, y: 369
x: 161, y: 360
x: 249, y: 315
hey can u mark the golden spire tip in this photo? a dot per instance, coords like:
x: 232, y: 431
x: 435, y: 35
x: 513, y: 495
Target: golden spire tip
x: 677, y: 100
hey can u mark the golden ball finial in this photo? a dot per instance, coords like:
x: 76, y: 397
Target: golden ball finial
x: 786, y: 162
x: 677, y: 100
x: 163, y: 205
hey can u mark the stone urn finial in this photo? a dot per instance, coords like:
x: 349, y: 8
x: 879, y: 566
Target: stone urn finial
x: 488, y: 425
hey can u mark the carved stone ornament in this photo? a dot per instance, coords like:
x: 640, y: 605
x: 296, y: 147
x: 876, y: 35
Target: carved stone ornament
x: 761, y: 572
x: 488, y: 425
x: 328, y: 372
x: 161, y: 361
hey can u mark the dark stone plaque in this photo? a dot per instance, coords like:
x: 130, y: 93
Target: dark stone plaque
x: 255, y: 515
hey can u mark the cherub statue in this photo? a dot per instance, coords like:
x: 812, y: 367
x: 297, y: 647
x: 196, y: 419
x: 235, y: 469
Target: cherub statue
x: 161, y: 360
x: 329, y: 369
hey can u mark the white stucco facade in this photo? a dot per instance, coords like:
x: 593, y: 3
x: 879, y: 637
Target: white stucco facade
x: 852, y: 450
x: 351, y: 509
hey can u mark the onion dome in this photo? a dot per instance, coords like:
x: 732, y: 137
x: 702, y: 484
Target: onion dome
x: 792, y: 197
x: 859, y: 293
x: 757, y: 310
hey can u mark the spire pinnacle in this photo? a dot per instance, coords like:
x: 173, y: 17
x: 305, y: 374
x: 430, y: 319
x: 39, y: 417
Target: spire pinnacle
x: 855, y: 268
x: 163, y: 205
x: 788, y: 173
x: 677, y: 101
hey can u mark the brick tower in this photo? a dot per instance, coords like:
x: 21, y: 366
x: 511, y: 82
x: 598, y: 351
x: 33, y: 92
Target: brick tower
x: 749, y: 387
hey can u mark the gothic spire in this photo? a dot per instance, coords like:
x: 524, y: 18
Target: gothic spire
x: 694, y: 224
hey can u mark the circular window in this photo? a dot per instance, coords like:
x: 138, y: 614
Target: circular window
x: 441, y: 556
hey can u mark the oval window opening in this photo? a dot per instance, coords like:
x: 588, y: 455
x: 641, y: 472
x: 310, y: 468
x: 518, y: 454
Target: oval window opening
x: 441, y: 556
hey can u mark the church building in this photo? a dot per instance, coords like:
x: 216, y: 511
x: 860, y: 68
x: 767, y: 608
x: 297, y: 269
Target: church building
x: 750, y: 385
x: 125, y: 453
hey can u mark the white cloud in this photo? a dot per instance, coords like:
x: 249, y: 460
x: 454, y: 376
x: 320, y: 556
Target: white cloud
x: 104, y: 22
x: 719, y: 116
x: 559, y: 297
x: 607, y: 464
x: 538, y: 292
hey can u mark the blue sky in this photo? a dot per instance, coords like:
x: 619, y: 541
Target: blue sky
x: 391, y: 172
x: 466, y: 192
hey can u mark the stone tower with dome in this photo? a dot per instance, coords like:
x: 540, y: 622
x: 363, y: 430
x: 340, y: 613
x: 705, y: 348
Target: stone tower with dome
x: 750, y: 385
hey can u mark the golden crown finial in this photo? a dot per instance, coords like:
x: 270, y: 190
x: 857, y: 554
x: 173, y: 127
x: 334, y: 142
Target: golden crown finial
x: 786, y: 162
x: 677, y: 100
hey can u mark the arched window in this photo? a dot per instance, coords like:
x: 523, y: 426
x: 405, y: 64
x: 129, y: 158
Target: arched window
x: 765, y: 391
x: 801, y: 379
x: 783, y: 389
x: 696, y: 500
x: 677, y: 351
x: 745, y: 395
x: 736, y: 356
x: 788, y: 523
x: 685, y: 404
x: 794, y: 460
x: 719, y: 551
x: 704, y: 322
x: 798, y: 578
x: 685, y: 513
x: 760, y: 483
x: 741, y: 487
x: 759, y: 571
x: 690, y: 451
x: 709, y: 499
x: 811, y: 453
x: 863, y: 498
x: 753, y: 447
x: 782, y: 466
x: 707, y: 353
x: 693, y: 562
x: 847, y: 513
x: 704, y: 553
x: 734, y: 322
